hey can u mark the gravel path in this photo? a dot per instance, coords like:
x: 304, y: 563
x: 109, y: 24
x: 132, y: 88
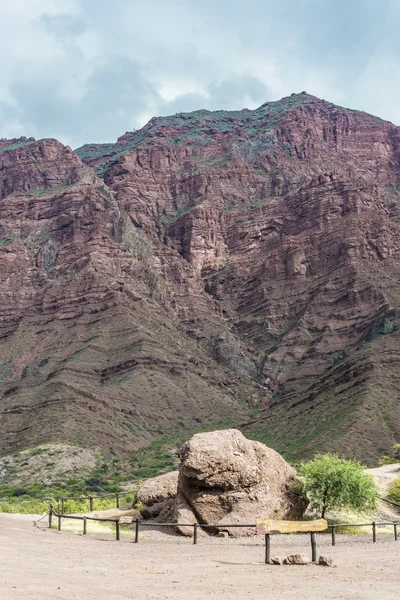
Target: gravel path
x: 38, y: 563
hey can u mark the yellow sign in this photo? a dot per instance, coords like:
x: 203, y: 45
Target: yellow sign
x: 270, y: 526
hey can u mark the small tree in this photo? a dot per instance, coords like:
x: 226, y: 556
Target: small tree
x: 394, y: 456
x: 331, y: 482
x: 394, y: 491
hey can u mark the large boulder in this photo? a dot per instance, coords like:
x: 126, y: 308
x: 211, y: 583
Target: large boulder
x: 227, y: 479
x: 158, y: 489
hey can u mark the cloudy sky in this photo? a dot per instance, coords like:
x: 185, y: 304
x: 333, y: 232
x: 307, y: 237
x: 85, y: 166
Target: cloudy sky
x: 89, y: 70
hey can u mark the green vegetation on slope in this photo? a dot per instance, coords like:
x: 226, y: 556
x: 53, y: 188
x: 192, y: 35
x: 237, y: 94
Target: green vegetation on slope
x: 394, y: 491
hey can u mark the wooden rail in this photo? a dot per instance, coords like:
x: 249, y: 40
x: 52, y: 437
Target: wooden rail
x: 138, y: 524
x: 374, y: 526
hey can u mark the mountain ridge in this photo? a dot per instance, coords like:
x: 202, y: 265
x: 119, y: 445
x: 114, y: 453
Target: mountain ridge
x: 263, y: 244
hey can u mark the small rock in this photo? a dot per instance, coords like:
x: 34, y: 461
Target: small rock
x: 326, y: 561
x: 277, y: 560
x: 222, y: 534
x: 296, y: 559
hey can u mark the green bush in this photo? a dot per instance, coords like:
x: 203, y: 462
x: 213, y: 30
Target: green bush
x: 393, y: 458
x: 331, y: 482
x: 394, y: 491
x: 24, y: 505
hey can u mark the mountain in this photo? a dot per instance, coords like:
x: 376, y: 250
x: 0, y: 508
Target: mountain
x: 229, y: 267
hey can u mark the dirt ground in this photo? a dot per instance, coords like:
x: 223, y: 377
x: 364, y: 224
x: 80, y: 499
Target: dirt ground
x: 38, y: 563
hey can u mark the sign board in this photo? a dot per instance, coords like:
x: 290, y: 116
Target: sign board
x: 271, y: 526
x: 125, y: 520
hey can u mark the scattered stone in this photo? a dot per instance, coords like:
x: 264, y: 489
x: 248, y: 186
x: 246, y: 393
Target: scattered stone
x: 277, y: 560
x: 326, y: 561
x: 296, y: 559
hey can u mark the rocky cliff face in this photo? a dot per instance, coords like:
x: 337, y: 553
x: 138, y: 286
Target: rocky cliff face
x: 262, y: 245
x: 94, y: 345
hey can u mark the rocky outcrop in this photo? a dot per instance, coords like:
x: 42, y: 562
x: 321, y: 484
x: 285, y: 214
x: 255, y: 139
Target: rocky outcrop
x: 227, y: 479
x: 224, y: 479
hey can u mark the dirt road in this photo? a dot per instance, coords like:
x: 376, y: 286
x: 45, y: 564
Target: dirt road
x: 41, y: 564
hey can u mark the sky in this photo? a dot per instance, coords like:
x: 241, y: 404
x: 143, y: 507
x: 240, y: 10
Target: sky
x: 88, y: 70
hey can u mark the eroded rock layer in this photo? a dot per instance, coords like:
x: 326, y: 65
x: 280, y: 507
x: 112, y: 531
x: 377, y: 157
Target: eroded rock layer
x: 219, y: 264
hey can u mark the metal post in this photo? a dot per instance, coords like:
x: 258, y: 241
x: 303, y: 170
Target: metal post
x: 136, y: 531
x: 117, y: 530
x: 374, y: 532
x: 84, y: 525
x: 195, y: 533
x: 117, y: 500
x: 314, y: 547
x: 333, y: 536
x: 91, y: 503
x: 395, y: 531
x: 267, y: 549
x: 59, y: 524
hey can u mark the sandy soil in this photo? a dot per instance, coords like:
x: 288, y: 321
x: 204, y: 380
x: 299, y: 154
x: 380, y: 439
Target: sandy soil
x: 38, y: 563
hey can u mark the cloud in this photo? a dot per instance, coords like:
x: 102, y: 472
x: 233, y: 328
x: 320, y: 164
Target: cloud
x: 88, y: 70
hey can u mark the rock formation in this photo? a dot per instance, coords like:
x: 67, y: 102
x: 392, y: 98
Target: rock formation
x: 158, y: 489
x: 225, y: 479
x: 237, y: 265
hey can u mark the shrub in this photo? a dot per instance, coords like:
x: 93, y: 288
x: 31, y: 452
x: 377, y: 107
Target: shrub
x: 394, y: 491
x: 393, y: 458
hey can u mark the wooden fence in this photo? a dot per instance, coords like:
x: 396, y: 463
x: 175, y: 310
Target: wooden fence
x: 138, y: 524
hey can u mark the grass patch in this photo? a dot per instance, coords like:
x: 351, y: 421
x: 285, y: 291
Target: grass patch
x: 16, y: 146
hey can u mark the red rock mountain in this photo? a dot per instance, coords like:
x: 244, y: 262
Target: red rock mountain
x: 212, y: 268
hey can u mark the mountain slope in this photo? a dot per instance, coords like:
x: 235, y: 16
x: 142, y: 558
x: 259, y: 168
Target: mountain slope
x: 94, y: 348
x: 239, y: 266
x: 289, y: 214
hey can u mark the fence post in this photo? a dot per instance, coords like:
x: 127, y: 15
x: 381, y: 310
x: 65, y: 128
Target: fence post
x: 137, y: 531
x: 333, y: 536
x: 117, y: 500
x: 50, y: 515
x: 84, y: 525
x: 59, y: 523
x: 62, y: 506
x: 117, y: 530
x: 195, y: 533
x: 395, y: 531
x: 90, y: 503
x: 267, y: 549
x: 374, y: 532
x: 314, y: 547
